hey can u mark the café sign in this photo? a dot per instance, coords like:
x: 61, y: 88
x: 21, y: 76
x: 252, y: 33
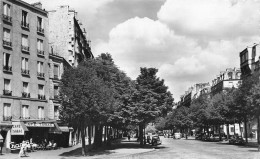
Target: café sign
x: 36, y: 124
x: 17, y: 129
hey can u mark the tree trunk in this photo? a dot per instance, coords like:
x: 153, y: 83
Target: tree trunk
x: 96, y: 137
x: 227, y: 131
x: 258, y: 129
x: 89, y: 136
x: 83, y: 139
x: 219, y: 132
x: 105, y: 135
x: 141, y: 134
x: 234, y: 129
x: 144, y: 136
x: 100, y: 135
x: 245, y: 122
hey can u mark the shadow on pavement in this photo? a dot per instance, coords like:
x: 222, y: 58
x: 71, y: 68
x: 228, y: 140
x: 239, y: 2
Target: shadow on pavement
x: 106, y: 150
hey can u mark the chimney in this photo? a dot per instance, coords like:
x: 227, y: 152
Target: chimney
x: 37, y: 5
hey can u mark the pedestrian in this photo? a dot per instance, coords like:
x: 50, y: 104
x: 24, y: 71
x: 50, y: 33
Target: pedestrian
x: 22, y: 152
x: 129, y: 137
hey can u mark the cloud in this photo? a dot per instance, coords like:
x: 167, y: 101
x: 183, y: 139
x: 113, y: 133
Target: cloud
x: 212, y: 19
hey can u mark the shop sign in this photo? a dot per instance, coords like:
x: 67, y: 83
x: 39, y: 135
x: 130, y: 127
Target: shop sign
x: 34, y: 124
x: 17, y: 129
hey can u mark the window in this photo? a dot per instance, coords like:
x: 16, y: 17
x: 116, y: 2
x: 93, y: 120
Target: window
x: 56, y: 112
x: 25, y: 87
x: 56, y: 71
x: 41, y: 92
x: 7, y: 112
x: 7, y: 62
x: 7, y: 9
x: 40, y: 112
x: 24, y: 22
x: 40, y: 47
x: 230, y: 75
x: 7, y: 36
x: 7, y: 12
x: 56, y: 92
x: 25, y: 43
x: 40, y: 25
x: 40, y: 66
x: 25, y: 67
x: 25, y: 111
x: 232, y: 129
x: 7, y: 84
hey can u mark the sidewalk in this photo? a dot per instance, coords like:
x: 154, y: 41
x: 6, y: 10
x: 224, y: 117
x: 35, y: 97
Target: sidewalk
x: 119, y: 149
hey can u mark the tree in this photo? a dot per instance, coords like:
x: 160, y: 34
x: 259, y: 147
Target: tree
x: 79, y: 90
x: 150, y: 99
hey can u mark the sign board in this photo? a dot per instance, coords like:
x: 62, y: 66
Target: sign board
x: 17, y: 129
x: 35, y: 124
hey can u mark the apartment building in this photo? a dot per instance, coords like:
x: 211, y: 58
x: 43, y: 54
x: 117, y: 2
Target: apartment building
x: 24, y: 100
x: 69, y: 39
x: 230, y: 78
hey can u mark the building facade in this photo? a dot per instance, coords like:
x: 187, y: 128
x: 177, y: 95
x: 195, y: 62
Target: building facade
x: 24, y: 73
x: 69, y: 39
x: 230, y: 78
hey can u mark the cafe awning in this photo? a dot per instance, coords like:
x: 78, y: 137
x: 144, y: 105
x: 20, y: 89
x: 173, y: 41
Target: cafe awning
x: 55, y: 130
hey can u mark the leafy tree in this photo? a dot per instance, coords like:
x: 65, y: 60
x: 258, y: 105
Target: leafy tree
x: 150, y: 99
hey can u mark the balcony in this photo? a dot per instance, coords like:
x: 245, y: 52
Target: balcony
x: 25, y: 48
x: 40, y: 75
x: 23, y: 117
x: 40, y: 30
x: 56, y: 77
x: 7, y: 92
x: 7, y: 69
x: 25, y: 72
x: 7, y: 18
x: 26, y: 95
x: 25, y: 25
x: 42, y: 97
x: 7, y: 43
x: 7, y: 118
x: 40, y: 53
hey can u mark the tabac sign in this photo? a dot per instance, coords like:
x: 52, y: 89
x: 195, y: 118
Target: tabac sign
x: 37, y: 124
x: 17, y: 129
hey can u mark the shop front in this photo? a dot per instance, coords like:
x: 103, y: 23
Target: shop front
x: 33, y: 131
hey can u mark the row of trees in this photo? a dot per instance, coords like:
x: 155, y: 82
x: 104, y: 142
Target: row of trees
x: 234, y: 105
x: 98, y: 93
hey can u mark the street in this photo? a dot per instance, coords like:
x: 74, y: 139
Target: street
x: 170, y: 149
x: 196, y: 149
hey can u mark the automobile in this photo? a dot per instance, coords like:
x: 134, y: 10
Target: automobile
x: 156, y: 140
x: 160, y: 133
x: 236, y: 140
x: 177, y: 135
x: 199, y: 136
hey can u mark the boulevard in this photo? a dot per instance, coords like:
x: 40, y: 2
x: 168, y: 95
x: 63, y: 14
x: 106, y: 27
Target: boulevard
x: 169, y: 149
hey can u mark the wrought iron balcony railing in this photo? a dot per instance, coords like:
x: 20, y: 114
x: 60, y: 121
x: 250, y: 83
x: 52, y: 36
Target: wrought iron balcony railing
x: 25, y: 72
x: 7, y: 68
x: 25, y: 25
x: 7, y: 118
x: 40, y: 30
x: 40, y: 75
x: 26, y: 95
x: 7, y: 43
x: 40, y: 52
x: 7, y: 92
x: 40, y: 96
x: 7, y: 18
x: 25, y: 48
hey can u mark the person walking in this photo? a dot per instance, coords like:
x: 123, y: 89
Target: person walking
x: 128, y: 137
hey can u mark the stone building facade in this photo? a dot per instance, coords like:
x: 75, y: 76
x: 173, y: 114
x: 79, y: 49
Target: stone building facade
x: 24, y: 72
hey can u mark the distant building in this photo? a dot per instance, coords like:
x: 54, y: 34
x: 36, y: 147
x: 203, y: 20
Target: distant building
x: 69, y: 40
x: 193, y: 93
x: 226, y: 79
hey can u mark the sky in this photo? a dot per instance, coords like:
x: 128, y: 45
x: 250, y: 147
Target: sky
x: 188, y: 41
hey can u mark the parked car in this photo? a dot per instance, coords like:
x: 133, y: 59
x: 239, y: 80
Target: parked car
x: 177, y: 135
x: 199, y: 136
x: 156, y: 140
x: 236, y: 140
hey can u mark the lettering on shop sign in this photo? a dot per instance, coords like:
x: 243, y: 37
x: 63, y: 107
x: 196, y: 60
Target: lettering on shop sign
x: 32, y: 124
x: 17, y: 129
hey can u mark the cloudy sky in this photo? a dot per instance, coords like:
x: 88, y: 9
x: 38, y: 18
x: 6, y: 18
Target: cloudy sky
x: 189, y: 41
